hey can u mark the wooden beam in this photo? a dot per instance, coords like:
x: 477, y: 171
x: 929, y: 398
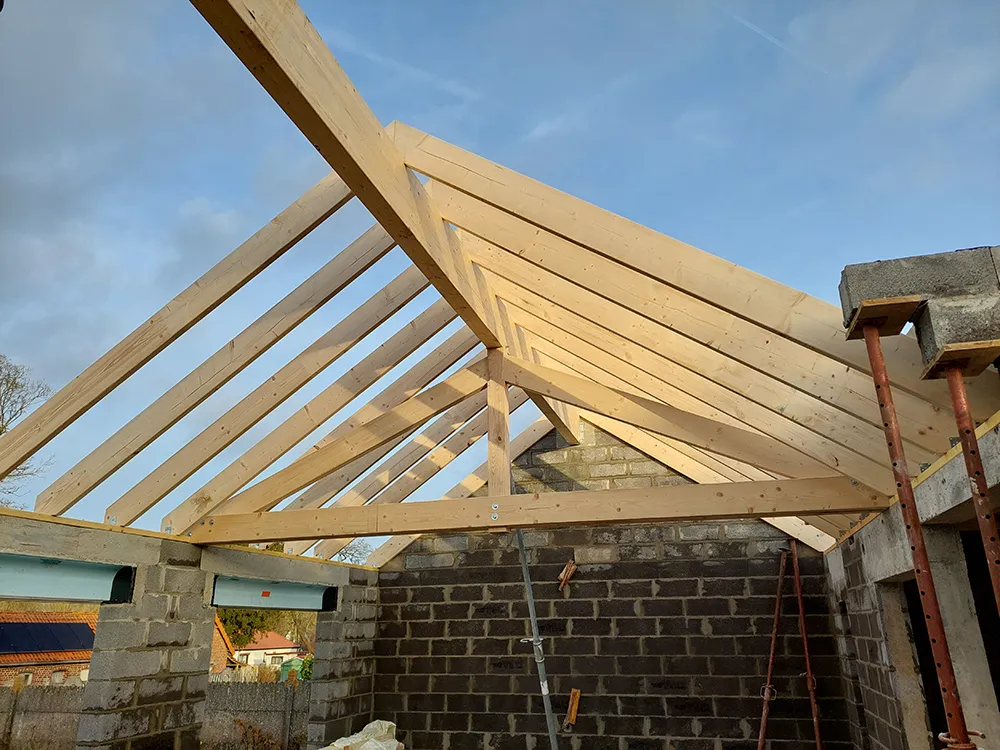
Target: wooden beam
x: 663, y: 419
x: 406, y: 482
x: 165, y: 326
x: 693, y: 502
x: 280, y: 47
x: 322, y: 407
x: 318, y: 463
x: 217, y: 370
x: 472, y: 483
x: 604, y: 354
x: 812, y: 322
x: 498, y: 445
x: 404, y: 388
x: 702, y: 337
x: 657, y: 449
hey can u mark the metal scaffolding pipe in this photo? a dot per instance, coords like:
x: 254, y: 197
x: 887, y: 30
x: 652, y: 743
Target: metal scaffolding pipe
x: 767, y: 691
x: 977, y: 476
x: 958, y: 734
x: 810, y: 679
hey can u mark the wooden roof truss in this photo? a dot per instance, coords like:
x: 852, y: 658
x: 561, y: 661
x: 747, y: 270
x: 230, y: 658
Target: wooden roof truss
x: 747, y: 387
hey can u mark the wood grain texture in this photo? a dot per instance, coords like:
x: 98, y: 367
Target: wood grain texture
x: 286, y: 435
x: 759, y: 450
x: 287, y: 56
x: 401, y: 420
x: 812, y: 322
x: 498, y: 413
x: 699, y: 336
x: 553, y: 509
x: 183, y: 311
x: 472, y: 483
x: 216, y: 371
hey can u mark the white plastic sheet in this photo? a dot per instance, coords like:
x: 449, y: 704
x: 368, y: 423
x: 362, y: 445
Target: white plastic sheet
x: 379, y: 735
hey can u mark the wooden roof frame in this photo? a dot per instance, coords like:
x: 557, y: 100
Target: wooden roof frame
x: 728, y: 377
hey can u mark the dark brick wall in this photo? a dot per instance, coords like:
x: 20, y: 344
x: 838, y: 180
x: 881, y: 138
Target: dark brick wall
x: 665, y: 629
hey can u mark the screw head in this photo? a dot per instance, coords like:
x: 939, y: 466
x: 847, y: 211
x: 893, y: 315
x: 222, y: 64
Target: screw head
x: 495, y: 516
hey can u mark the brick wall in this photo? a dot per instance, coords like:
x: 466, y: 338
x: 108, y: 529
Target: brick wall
x: 665, y: 628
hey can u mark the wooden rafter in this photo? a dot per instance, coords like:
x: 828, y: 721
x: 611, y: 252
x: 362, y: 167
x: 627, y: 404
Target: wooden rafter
x: 329, y: 402
x: 217, y: 370
x: 664, y: 419
x: 468, y: 486
x: 214, y: 287
x: 787, y: 414
x: 318, y: 463
x: 287, y: 56
x: 810, y: 321
x: 406, y: 482
x: 676, y: 503
x: 599, y: 353
x: 702, y: 337
x: 658, y: 449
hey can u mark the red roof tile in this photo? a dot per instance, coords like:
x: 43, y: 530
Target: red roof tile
x: 265, y: 641
x: 45, y: 657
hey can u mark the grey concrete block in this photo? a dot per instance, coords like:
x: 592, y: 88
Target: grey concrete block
x: 421, y: 562
x: 108, y: 694
x: 196, y: 685
x: 114, y: 726
x: 150, y: 607
x: 117, y: 665
x: 179, y: 553
x: 184, y: 580
x: 191, y: 659
x: 957, y: 320
x: 163, y: 634
x: 963, y: 272
x: 119, y: 634
x: 186, y: 714
x: 160, y: 690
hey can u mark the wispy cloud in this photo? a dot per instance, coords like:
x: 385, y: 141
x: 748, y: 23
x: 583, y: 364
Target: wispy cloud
x: 341, y: 40
x: 746, y: 23
x: 576, y: 116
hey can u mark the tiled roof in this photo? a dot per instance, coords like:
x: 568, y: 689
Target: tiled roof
x: 264, y: 641
x: 51, y: 617
x: 45, y: 657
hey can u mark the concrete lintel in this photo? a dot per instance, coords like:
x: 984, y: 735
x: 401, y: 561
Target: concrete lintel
x: 37, y: 537
x: 242, y: 563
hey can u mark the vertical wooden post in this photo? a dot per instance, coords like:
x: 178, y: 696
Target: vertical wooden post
x: 498, y: 456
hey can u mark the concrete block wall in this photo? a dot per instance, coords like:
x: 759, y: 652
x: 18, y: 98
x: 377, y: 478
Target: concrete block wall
x: 341, y: 688
x: 665, y: 628
x: 149, y: 670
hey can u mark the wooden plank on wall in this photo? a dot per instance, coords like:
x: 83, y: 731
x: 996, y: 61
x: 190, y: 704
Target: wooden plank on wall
x: 553, y: 509
x: 215, y: 372
x: 165, y: 326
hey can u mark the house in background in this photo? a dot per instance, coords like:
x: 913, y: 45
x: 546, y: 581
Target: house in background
x: 269, y: 648
x: 54, y: 648
x: 45, y: 648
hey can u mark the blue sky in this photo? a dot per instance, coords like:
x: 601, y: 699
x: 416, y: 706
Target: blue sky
x: 788, y: 137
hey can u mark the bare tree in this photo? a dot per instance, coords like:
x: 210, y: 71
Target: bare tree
x: 356, y: 552
x: 19, y: 391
